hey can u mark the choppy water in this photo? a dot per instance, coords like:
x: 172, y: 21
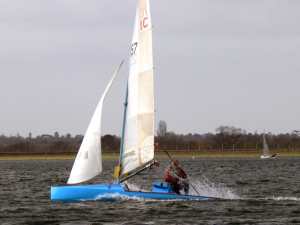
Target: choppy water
x: 254, y: 192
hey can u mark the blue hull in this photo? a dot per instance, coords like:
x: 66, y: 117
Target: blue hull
x: 115, y: 191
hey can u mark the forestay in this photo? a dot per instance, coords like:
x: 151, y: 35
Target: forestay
x: 138, y: 147
x: 88, y: 162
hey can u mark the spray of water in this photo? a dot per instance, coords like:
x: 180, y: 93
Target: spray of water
x: 117, y: 196
x: 205, y: 187
x: 202, y: 187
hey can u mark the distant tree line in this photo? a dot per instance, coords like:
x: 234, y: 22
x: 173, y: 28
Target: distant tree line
x: 51, y: 144
x: 226, y: 142
x: 225, y: 138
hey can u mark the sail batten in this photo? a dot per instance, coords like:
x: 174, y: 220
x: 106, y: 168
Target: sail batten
x: 138, y: 147
x: 88, y: 162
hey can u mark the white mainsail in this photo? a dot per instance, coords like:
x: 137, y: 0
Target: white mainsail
x: 88, y: 162
x: 138, y: 139
x: 266, y: 151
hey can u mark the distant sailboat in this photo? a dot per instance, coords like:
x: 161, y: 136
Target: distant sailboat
x: 137, y: 142
x: 266, y: 151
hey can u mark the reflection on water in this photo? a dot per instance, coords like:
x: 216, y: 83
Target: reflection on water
x: 256, y: 192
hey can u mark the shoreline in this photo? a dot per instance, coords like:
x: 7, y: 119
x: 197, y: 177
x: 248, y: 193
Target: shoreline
x: 159, y: 155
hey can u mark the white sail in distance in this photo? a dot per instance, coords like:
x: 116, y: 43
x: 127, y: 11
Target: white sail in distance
x: 138, y: 140
x: 266, y: 151
x: 88, y: 162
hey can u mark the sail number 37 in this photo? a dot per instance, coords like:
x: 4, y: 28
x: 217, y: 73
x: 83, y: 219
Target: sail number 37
x: 133, y: 48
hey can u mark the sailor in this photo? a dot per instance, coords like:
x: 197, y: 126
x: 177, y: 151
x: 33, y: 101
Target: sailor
x: 176, y: 177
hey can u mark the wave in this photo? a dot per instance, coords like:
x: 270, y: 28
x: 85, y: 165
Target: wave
x: 281, y: 198
x: 273, y: 198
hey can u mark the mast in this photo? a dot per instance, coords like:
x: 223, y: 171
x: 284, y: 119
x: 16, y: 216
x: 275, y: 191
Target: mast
x: 124, y: 124
x: 117, y: 169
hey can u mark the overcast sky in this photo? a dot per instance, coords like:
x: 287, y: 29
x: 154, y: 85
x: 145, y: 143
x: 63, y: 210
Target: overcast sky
x: 233, y: 62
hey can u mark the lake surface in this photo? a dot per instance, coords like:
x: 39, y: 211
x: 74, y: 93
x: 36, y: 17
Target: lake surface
x: 254, y: 191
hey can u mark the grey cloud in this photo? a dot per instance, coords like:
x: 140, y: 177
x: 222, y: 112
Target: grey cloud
x: 216, y: 63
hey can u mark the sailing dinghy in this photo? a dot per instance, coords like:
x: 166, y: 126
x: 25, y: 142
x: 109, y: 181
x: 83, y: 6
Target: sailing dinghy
x: 137, y: 143
x: 266, y: 151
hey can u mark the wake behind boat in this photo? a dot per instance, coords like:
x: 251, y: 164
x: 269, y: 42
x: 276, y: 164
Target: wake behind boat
x: 137, y: 142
